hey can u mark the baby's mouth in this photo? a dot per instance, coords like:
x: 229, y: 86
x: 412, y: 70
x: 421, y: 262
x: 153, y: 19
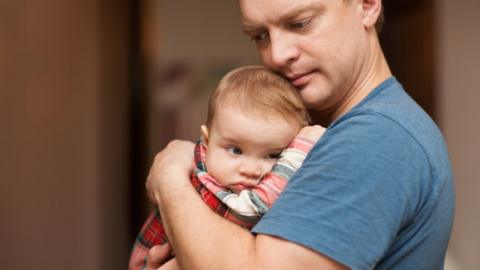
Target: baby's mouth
x: 242, y: 186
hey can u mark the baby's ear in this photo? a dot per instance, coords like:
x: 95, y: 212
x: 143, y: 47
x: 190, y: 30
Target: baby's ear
x: 204, y: 134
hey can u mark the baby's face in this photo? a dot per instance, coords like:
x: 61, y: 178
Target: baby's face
x: 242, y: 148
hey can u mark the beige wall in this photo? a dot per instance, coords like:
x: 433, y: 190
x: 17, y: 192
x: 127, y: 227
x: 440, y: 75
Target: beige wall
x: 199, y: 32
x: 458, y: 73
x: 207, y: 38
x: 63, y: 136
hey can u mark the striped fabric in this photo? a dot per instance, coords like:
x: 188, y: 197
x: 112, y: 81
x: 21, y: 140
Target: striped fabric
x: 244, y: 209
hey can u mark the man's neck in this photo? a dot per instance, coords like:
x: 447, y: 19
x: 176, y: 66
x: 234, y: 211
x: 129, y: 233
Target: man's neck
x: 375, y: 72
x: 323, y: 119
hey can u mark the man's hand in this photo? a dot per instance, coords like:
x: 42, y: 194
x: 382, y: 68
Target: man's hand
x: 175, y: 159
x: 170, y: 265
x: 312, y: 132
x: 159, y: 258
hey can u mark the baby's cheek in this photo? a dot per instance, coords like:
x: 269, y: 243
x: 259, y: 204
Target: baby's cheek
x: 212, y: 167
x: 217, y: 172
x: 269, y: 165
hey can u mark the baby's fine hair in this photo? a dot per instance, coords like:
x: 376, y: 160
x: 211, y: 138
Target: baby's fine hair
x: 258, y: 91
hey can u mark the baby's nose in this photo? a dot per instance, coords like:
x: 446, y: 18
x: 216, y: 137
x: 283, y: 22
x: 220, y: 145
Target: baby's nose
x: 252, y: 170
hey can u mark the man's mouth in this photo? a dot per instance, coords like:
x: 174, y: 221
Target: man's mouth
x: 300, y: 79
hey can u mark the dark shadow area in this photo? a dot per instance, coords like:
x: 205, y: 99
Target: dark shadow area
x: 407, y: 39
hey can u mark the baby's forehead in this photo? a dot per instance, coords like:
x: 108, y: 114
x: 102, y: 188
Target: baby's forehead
x: 255, y: 132
x: 235, y: 122
x: 253, y: 112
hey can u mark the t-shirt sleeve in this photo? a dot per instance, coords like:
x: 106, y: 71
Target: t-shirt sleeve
x: 353, y: 193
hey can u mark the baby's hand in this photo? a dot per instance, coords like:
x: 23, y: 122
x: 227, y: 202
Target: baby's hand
x: 312, y: 133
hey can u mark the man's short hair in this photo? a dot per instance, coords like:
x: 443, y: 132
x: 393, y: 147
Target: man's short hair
x: 258, y: 91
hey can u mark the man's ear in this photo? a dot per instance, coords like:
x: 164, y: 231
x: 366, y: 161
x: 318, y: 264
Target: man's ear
x: 371, y: 12
x: 204, y: 134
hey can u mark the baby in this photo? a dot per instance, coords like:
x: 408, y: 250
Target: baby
x: 256, y: 136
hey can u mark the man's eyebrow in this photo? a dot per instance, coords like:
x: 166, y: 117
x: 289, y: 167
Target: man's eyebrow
x: 248, y: 27
x: 291, y: 14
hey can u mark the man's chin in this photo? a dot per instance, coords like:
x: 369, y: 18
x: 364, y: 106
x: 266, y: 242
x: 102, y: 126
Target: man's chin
x: 301, y: 87
x: 307, y: 93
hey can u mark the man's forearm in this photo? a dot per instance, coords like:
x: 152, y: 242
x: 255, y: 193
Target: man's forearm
x: 197, y: 234
x: 202, y: 239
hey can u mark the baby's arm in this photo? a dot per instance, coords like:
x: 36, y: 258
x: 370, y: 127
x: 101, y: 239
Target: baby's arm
x: 151, y: 234
x: 255, y: 202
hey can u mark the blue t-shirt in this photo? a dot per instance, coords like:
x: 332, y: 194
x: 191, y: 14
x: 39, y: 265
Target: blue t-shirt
x: 376, y: 191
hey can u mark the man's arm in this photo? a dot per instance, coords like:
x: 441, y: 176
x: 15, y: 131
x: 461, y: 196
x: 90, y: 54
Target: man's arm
x: 203, y: 240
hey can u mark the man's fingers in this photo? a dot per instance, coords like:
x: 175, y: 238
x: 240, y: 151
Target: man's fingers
x: 150, y: 194
x: 176, y: 158
x: 157, y: 256
x: 312, y: 132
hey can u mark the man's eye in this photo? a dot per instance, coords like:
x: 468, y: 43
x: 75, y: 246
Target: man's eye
x: 259, y: 37
x: 300, y: 24
x: 234, y: 150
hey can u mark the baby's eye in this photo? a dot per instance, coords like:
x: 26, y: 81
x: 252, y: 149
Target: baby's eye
x: 233, y: 150
x: 273, y: 156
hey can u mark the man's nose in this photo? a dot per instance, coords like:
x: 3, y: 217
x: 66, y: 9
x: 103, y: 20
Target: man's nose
x: 283, y: 49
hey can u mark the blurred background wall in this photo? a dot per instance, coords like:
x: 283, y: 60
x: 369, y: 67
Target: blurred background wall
x: 64, y: 134
x: 458, y: 70
x: 90, y: 90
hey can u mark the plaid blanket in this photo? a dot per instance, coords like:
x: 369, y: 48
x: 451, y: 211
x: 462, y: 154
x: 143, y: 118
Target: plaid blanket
x: 244, y: 209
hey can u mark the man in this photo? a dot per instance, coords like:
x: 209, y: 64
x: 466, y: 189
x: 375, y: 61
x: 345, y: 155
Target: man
x: 376, y: 192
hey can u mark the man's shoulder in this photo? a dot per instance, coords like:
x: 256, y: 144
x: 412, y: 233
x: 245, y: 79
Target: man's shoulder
x: 390, y: 100
x: 389, y: 108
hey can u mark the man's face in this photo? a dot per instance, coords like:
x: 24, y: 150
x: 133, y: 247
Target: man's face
x: 319, y: 45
